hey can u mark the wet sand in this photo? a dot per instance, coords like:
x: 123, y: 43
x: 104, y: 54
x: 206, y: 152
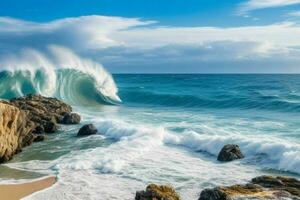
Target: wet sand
x: 18, y: 191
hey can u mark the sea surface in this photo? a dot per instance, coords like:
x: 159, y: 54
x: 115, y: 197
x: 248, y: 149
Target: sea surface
x: 162, y: 128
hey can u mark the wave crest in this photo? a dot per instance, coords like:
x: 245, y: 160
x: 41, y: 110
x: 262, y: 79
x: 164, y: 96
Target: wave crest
x: 60, y: 74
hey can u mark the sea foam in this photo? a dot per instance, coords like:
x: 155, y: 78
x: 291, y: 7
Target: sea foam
x: 140, y: 154
x: 279, y: 154
x: 132, y: 141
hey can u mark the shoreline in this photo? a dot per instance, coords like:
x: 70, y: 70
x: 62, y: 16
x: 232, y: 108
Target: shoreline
x: 21, y: 190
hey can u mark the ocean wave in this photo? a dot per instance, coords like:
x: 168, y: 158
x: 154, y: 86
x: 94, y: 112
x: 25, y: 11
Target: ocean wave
x: 279, y: 154
x: 131, y: 144
x: 60, y: 73
x: 220, y: 101
x: 132, y: 141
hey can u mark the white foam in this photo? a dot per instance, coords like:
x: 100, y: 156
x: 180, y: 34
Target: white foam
x: 78, y: 185
x: 187, y: 172
x: 281, y: 154
x: 132, y: 142
x: 139, y: 155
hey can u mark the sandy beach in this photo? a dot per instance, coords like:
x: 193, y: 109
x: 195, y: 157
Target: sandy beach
x: 18, y: 191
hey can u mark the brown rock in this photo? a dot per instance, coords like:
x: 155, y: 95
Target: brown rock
x: 268, y: 181
x: 15, y: 131
x: 157, y: 192
x: 263, y: 187
x: 280, y: 183
x: 21, y: 119
x: 44, y: 112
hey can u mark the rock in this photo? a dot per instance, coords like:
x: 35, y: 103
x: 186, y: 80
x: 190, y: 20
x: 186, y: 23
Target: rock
x: 23, y: 119
x: 267, y: 181
x: 44, y: 112
x: 88, y: 129
x: 39, y: 138
x: 279, y: 183
x: 27, y: 140
x: 15, y: 130
x: 263, y: 187
x: 230, y: 152
x: 157, y: 192
x: 214, y: 194
x: 71, y: 118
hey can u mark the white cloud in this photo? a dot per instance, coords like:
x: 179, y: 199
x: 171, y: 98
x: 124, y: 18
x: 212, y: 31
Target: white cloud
x: 262, y: 4
x: 130, y: 41
x: 277, y: 34
x: 81, y: 32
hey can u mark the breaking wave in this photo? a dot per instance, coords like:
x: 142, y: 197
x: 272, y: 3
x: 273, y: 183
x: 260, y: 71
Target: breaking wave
x: 58, y: 73
x: 133, y: 141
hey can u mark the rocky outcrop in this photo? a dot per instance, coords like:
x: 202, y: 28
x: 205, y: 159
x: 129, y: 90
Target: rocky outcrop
x: 25, y: 120
x: 289, y: 185
x: 44, y: 112
x: 88, y: 129
x: 263, y: 187
x: 15, y: 131
x: 157, y: 192
x: 230, y: 152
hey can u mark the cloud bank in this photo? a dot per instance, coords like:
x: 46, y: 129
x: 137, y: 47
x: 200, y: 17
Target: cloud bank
x: 134, y: 45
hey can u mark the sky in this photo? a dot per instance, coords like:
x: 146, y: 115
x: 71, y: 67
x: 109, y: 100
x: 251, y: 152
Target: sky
x: 160, y: 36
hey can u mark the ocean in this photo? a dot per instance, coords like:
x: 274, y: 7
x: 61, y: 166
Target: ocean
x: 158, y: 128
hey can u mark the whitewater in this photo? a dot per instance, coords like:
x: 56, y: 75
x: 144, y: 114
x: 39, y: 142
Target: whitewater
x: 165, y: 129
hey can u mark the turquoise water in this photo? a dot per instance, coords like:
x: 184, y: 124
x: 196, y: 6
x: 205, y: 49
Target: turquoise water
x: 167, y: 129
x: 268, y: 104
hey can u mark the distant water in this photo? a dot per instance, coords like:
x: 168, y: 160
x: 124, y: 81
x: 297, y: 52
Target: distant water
x: 167, y: 129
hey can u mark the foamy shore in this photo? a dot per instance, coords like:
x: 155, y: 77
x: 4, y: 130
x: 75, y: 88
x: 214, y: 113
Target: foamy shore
x: 19, y: 191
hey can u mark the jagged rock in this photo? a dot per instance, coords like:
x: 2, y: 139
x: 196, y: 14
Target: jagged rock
x: 71, y: 118
x: 23, y: 119
x: 263, y: 187
x: 15, y: 130
x: 44, y: 112
x: 88, y: 129
x: 268, y: 181
x: 230, y: 152
x: 290, y: 185
x: 157, y: 192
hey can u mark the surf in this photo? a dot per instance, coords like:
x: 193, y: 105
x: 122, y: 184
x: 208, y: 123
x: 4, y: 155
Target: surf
x: 57, y: 73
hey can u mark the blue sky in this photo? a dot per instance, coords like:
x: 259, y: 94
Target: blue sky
x: 45, y: 10
x: 167, y: 12
x: 155, y: 36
